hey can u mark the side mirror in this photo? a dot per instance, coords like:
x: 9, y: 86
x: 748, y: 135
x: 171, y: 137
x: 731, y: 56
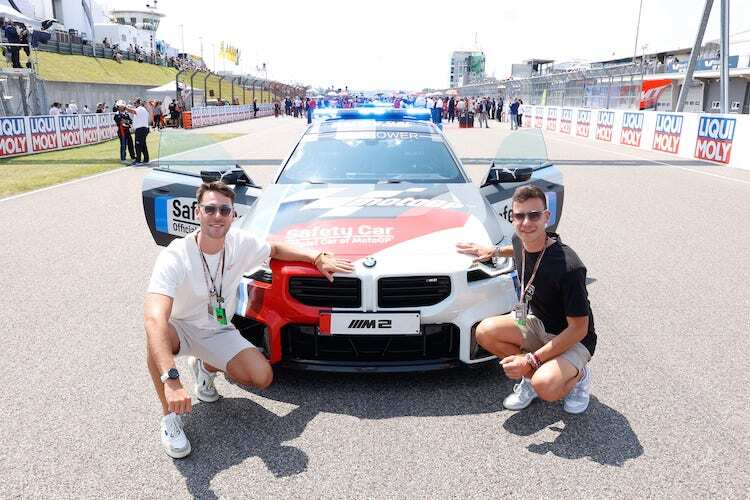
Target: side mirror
x: 498, y: 175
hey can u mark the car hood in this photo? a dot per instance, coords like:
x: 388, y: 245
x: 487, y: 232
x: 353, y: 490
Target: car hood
x: 409, y: 225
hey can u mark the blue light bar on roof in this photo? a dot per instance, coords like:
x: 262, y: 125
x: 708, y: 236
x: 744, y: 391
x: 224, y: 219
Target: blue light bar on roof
x: 380, y: 114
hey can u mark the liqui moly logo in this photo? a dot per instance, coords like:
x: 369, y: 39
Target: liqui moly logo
x: 70, y: 131
x: 566, y: 118
x: 632, y: 129
x: 667, y: 133
x: 552, y: 119
x: 715, y: 136
x: 43, y: 133
x: 538, y: 117
x: 526, y: 120
x: 13, y: 136
x: 583, y: 124
x: 604, y: 122
x: 90, y: 125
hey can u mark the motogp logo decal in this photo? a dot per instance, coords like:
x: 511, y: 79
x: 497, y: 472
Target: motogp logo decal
x: 715, y: 136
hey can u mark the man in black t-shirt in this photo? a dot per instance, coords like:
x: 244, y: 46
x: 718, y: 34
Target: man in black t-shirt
x: 552, y: 322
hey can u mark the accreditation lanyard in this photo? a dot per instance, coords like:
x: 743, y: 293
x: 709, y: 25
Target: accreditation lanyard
x: 217, y: 310
x: 527, y: 289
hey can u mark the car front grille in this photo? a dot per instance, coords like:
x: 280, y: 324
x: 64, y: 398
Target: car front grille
x: 437, y: 342
x: 319, y: 292
x: 413, y: 291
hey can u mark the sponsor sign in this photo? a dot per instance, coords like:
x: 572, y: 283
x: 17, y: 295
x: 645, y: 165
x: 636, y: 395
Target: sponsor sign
x: 604, y: 123
x: 583, y: 124
x: 715, y: 136
x: 70, y: 130
x: 667, y: 133
x: 175, y: 215
x: 552, y: 119
x: 43, y: 133
x: 632, y: 129
x: 566, y: 119
x: 90, y: 129
x: 526, y: 120
x: 13, y: 136
x: 538, y: 115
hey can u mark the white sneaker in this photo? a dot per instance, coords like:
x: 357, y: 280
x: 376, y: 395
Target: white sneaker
x: 204, y: 381
x: 173, y: 437
x: 522, y: 396
x: 577, y: 399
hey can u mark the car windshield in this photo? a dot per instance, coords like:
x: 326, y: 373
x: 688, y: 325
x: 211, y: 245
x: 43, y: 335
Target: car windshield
x: 371, y: 157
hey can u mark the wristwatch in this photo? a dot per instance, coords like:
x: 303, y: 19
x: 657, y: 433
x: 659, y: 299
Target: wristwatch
x: 171, y: 374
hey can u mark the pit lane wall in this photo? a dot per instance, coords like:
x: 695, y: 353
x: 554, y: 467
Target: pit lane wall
x: 205, y: 116
x: 25, y: 135
x: 722, y: 139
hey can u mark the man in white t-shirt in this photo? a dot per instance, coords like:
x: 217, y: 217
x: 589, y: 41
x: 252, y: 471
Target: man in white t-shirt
x: 141, y: 119
x: 189, y: 305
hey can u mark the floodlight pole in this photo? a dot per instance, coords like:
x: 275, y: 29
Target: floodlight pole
x: 724, y: 95
x: 694, y: 55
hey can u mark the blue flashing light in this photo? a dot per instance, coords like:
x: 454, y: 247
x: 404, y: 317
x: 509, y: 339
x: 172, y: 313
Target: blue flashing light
x: 379, y: 114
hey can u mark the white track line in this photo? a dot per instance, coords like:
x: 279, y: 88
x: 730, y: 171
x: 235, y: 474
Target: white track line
x: 710, y: 174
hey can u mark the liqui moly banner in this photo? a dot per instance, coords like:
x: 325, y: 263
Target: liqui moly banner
x: 89, y: 129
x: 715, y: 137
x: 44, y: 133
x: 70, y: 130
x: 605, y: 120
x: 667, y: 133
x: 538, y: 117
x: 632, y: 129
x: 107, y: 126
x: 566, y: 119
x: 552, y: 119
x: 13, y: 140
x: 583, y: 123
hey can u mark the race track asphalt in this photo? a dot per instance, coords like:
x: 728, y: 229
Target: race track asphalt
x: 665, y: 243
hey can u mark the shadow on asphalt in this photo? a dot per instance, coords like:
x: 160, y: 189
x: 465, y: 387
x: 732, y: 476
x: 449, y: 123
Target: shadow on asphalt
x: 230, y: 431
x: 601, y: 433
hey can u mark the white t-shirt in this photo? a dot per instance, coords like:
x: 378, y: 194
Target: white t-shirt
x: 140, y: 119
x: 54, y: 111
x: 178, y: 273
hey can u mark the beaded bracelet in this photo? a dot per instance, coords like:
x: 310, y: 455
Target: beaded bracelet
x: 533, y: 360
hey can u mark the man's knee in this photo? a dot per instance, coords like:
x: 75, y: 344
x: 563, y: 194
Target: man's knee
x: 250, y: 367
x: 497, y: 329
x: 546, y: 386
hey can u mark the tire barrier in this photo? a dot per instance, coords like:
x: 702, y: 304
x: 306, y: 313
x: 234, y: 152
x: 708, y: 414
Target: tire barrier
x: 711, y: 137
x: 205, y: 116
x: 25, y: 135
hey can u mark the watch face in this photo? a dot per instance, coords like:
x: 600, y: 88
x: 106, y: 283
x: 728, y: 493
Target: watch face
x: 173, y: 373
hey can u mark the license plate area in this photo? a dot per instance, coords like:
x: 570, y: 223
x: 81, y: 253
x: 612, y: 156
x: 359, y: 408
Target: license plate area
x: 400, y: 323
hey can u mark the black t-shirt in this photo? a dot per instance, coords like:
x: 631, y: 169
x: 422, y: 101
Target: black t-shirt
x: 559, y: 287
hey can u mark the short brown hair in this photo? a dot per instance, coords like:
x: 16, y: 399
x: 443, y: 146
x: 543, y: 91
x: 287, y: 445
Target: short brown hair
x: 216, y: 186
x: 528, y: 192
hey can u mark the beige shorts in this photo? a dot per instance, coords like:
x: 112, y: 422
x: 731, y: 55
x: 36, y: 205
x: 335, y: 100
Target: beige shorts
x: 215, y: 347
x: 535, y: 336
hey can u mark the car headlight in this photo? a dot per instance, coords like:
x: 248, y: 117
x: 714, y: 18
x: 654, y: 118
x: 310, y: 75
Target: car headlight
x: 263, y: 274
x: 492, y: 269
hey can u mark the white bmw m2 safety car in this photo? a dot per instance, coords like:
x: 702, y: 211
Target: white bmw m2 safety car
x: 383, y: 188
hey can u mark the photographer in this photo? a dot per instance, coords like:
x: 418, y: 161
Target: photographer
x: 124, y: 124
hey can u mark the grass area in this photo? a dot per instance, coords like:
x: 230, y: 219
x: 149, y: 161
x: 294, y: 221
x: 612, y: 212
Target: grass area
x: 26, y: 173
x: 84, y: 69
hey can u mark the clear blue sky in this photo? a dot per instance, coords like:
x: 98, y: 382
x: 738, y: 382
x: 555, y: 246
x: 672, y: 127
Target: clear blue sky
x: 407, y: 44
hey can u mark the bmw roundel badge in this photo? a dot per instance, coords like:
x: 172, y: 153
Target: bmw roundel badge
x: 369, y: 262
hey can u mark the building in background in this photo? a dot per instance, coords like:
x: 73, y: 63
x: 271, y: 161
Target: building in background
x: 467, y: 67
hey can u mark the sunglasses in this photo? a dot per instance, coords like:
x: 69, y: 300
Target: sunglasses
x: 224, y: 210
x: 533, y: 216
